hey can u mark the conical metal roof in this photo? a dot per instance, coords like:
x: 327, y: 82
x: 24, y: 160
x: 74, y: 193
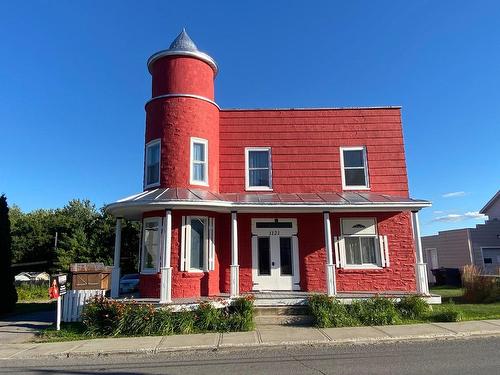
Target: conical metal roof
x: 183, y: 45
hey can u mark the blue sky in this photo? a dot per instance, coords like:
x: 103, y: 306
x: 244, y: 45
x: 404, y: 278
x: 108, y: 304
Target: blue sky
x: 73, y: 83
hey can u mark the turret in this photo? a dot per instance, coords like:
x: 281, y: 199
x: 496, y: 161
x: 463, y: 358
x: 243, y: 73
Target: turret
x: 182, y: 119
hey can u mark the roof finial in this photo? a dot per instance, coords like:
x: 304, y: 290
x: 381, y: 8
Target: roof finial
x: 183, y: 42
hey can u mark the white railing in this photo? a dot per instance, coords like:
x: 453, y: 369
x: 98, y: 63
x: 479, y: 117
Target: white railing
x: 73, y: 302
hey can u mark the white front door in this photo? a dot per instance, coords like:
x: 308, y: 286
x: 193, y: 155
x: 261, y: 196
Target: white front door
x: 275, y: 259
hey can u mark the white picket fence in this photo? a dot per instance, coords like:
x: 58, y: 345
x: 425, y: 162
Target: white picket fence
x: 73, y: 302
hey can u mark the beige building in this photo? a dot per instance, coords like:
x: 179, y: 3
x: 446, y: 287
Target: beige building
x: 459, y: 247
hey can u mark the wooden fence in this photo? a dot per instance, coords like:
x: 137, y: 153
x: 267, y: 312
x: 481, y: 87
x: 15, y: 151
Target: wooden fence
x: 73, y: 302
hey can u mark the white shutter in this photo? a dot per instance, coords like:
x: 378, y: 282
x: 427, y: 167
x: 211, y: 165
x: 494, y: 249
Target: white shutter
x: 182, y: 265
x: 381, y: 250
x: 386, y: 252
x: 342, y: 252
x: 337, y: 251
x: 211, y: 244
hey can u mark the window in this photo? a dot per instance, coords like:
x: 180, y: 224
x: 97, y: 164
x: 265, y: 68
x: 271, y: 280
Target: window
x: 354, y: 168
x: 197, y: 244
x: 152, y: 173
x: 199, y: 161
x: 150, y: 244
x: 258, y: 175
x: 359, y: 246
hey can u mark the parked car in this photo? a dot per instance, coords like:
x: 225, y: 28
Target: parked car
x: 129, y: 283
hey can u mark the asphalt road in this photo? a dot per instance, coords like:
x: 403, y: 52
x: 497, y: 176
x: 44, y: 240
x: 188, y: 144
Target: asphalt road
x: 466, y: 356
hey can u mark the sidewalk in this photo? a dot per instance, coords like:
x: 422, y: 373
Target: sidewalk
x: 262, y: 336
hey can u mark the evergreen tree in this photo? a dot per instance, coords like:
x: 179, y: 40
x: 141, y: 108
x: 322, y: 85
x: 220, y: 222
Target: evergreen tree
x: 9, y: 293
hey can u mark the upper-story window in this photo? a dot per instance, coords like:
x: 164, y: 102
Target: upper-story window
x: 152, y: 173
x: 258, y: 172
x: 199, y: 161
x: 354, y: 168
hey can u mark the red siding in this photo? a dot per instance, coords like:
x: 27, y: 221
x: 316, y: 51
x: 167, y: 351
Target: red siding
x: 400, y: 276
x: 305, y: 147
x: 175, y: 121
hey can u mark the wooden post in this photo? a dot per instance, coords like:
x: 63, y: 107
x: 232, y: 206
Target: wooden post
x: 115, y: 276
x: 331, y: 286
x: 166, y: 270
x: 235, y: 268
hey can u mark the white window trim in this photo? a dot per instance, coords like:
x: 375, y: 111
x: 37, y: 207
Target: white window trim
x: 208, y: 245
x: 367, y: 180
x: 158, y: 221
x: 148, y: 145
x: 381, y: 259
x: 192, y: 181
x: 247, y: 170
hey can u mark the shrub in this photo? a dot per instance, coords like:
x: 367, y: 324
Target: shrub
x: 329, y: 312
x: 239, y: 316
x: 448, y: 313
x: 184, y: 322
x: 479, y: 288
x: 208, y: 318
x: 136, y: 319
x: 375, y: 311
x: 102, y: 316
x: 412, y: 307
x: 33, y: 292
x: 106, y: 317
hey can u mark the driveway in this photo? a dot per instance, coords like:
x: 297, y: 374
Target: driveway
x: 22, y: 328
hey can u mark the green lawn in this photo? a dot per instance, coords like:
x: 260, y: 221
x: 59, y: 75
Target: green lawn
x: 470, y: 311
x: 448, y: 292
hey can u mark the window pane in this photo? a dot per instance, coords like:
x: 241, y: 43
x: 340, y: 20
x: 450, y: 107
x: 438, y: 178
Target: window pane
x: 258, y: 159
x: 152, y: 174
x: 352, y: 250
x: 259, y: 177
x: 273, y: 224
x: 199, y: 172
x: 197, y: 244
x: 353, y: 158
x: 264, y: 255
x: 151, y: 241
x: 198, y: 152
x: 355, y: 177
x: 368, y: 250
x: 286, y: 265
x: 153, y: 164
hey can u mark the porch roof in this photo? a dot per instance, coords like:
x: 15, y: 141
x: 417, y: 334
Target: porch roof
x: 181, y: 198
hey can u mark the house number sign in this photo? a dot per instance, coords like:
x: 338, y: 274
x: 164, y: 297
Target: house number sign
x: 274, y: 232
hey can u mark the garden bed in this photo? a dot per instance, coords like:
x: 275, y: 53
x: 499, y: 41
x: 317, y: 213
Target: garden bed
x: 104, y: 317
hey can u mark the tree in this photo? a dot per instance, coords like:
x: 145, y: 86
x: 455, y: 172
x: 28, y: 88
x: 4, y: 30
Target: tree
x: 9, y: 295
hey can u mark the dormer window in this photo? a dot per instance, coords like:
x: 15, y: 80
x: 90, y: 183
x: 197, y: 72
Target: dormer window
x: 152, y: 172
x: 199, y: 161
x: 354, y: 168
x: 258, y: 172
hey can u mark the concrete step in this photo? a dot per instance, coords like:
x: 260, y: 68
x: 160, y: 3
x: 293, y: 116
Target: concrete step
x: 283, y: 320
x: 280, y: 310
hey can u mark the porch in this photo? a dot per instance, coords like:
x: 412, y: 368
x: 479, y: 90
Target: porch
x: 274, y: 299
x: 260, y: 230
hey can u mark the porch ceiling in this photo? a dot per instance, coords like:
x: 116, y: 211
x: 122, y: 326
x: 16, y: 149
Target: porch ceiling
x: 180, y: 198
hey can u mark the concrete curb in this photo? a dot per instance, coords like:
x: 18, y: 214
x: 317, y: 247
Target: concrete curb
x: 261, y: 337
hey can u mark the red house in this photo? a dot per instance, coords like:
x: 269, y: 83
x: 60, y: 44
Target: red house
x: 249, y: 200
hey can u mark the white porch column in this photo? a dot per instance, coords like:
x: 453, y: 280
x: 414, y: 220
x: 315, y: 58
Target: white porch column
x: 115, y: 275
x: 166, y: 270
x: 420, y: 266
x: 235, y: 268
x: 331, y: 286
